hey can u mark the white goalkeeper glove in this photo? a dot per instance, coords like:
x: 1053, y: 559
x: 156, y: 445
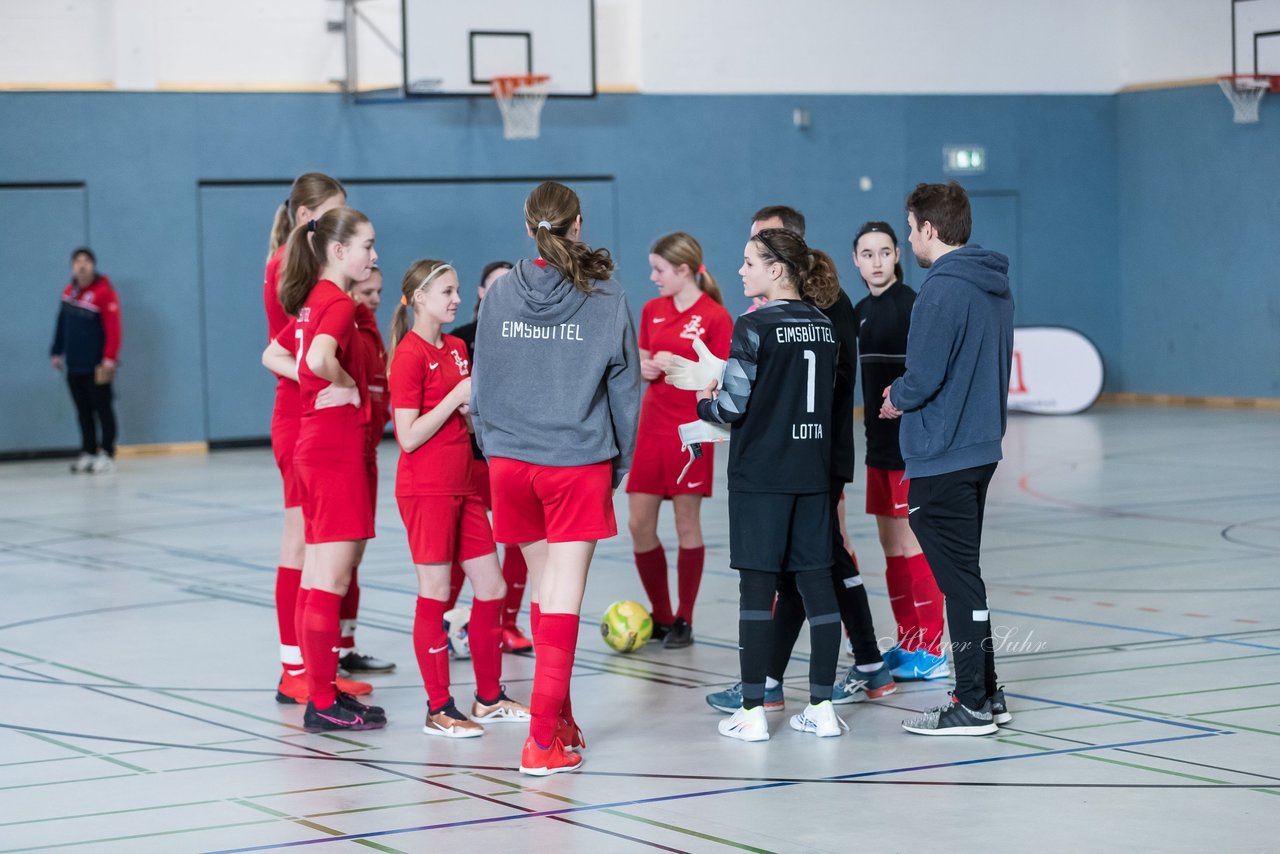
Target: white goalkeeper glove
x: 695, y: 376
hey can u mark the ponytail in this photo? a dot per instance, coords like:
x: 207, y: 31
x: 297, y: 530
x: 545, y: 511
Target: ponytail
x: 678, y: 248
x: 811, y: 270
x: 309, y: 190
x: 279, y: 229
x: 419, y: 275
x: 707, y: 283
x: 549, y: 212
x: 307, y: 249
x: 820, y: 283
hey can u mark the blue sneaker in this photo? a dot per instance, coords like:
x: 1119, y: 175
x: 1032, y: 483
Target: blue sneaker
x: 857, y: 686
x: 730, y: 699
x: 894, y: 656
x: 920, y: 664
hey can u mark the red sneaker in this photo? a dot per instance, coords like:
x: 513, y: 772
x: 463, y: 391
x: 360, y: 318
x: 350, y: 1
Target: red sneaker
x: 541, y: 763
x: 514, y: 640
x: 292, y: 689
x: 350, y: 686
x: 570, y: 735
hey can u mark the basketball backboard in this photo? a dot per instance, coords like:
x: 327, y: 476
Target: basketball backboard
x: 453, y: 48
x: 1255, y: 33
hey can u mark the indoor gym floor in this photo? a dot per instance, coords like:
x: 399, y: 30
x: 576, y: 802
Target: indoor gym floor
x: 1133, y: 553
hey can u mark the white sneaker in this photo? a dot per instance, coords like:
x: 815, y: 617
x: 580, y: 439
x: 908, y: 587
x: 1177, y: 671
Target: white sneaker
x: 821, y: 720
x: 746, y: 725
x: 102, y: 464
x: 82, y: 464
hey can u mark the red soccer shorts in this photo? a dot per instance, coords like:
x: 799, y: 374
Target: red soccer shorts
x: 445, y: 528
x: 337, y: 506
x: 480, y: 479
x: 658, y: 461
x: 561, y: 504
x: 886, y: 493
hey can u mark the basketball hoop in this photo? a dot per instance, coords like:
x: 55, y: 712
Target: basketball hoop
x: 520, y: 97
x: 1245, y: 92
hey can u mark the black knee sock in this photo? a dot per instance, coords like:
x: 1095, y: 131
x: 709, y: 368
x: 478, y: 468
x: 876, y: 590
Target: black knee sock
x: 755, y: 631
x: 824, y: 632
x: 851, y: 596
x: 788, y: 620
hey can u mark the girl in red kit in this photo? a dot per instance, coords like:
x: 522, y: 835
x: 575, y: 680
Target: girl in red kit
x: 444, y: 516
x: 312, y: 195
x: 372, y: 354
x: 322, y: 259
x: 688, y: 307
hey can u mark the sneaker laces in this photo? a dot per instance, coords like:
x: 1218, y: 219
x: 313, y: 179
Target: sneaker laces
x: 853, y: 679
x: 929, y: 719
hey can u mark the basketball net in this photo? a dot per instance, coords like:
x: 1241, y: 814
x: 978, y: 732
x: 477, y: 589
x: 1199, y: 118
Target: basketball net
x: 1245, y: 94
x: 520, y: 98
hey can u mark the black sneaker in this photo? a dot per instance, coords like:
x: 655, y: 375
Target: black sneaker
x: 372, y: 713
x: 338, y: 717
x: 355, y: 662
x: 660, y: 632
x: 954, y: 718
x: 679, y: 636
x: 1000, y: 711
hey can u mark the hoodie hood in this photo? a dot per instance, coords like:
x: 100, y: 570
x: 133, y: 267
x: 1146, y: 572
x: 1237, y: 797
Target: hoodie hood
x: 985, y: 268
x: 549, y: 298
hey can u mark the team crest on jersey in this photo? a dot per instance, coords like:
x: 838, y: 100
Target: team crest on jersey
x: 694, y: 329
x: 460, y: 362
x: 304, y: 315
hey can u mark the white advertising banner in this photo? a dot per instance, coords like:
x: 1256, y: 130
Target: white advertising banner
x: 1056, y: 371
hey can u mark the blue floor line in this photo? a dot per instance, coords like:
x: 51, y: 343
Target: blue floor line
x: 688, y: 795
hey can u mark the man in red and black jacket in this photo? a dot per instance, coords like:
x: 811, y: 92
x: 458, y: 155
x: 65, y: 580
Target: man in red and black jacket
x: 86, y: 342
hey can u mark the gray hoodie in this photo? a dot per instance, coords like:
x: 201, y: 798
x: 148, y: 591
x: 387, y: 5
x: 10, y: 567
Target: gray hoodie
x: 559, y: 384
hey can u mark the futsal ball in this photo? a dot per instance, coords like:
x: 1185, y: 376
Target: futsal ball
x: 626, y: 626
x: 456, y: 622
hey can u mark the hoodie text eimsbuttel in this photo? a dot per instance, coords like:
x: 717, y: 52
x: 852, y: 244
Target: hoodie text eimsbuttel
x: 559, y: 384
x: 954, y: 394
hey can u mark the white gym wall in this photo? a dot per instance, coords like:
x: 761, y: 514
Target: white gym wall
x: 656, y: 46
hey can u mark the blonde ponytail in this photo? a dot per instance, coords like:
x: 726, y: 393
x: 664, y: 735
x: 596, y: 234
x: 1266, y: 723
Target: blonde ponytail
x: 420, y: 274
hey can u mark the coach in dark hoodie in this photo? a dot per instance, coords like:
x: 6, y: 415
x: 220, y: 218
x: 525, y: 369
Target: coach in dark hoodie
x: 555, y: 403
x: 953, y: 404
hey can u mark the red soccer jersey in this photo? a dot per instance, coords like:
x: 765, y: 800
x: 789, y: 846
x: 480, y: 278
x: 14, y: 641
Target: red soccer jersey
x: 662, y: 327
x: 372, y: 354
x: 337, y: 433
x: 421, y: 375
x: 288, y: 406
x: 277, y: 320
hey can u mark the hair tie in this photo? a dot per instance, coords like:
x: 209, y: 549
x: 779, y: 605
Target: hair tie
x: 311, y: 226
x: 404, y: 300
x: 544, y: 224
x: 702, y: 269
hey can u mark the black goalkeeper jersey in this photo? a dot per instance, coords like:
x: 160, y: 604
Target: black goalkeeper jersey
x: 777, y: 395
x: 883, y: 322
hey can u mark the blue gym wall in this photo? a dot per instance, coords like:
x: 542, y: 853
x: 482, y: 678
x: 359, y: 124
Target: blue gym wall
x: 1199, y: 212
x: 175, y: 192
